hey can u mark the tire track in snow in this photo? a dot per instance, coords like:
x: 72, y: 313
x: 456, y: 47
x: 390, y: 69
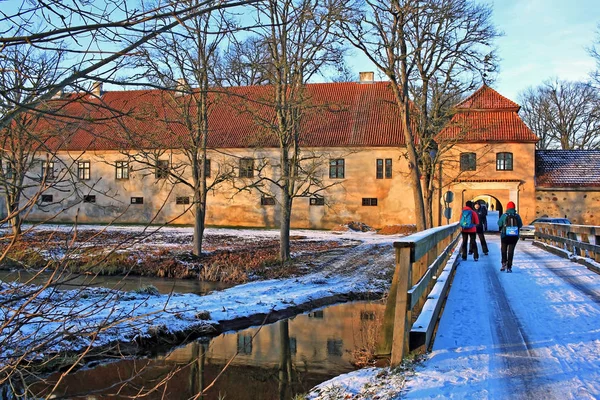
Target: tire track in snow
x: 521, y: 366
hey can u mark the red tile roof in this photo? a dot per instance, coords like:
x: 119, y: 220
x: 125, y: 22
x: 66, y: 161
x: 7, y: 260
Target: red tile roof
x: 339, y: 115
x: 486, y: 116
x: 486, y: 98
x: 567, y: 168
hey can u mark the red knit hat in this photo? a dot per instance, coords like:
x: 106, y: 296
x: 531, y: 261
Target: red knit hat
x: 510, y: 205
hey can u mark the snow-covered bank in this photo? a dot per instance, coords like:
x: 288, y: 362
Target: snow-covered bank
x: 56, y: 316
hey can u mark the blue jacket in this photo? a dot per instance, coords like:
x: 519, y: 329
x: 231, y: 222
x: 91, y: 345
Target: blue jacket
x: 502, y: 221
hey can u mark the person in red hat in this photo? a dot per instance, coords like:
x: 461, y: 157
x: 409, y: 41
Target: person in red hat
x: 509, y: 224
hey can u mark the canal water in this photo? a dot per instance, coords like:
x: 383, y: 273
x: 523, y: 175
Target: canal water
x: 277, y: 361
x: 128, y: 283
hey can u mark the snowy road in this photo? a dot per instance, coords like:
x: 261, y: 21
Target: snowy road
x: 532, y: 334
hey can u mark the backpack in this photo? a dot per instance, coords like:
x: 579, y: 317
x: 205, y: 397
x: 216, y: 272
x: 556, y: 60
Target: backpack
x: 511, y: 226
x: 466, y: 219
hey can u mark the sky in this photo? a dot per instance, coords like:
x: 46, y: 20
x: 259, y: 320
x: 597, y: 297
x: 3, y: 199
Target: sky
x: 544, y: 39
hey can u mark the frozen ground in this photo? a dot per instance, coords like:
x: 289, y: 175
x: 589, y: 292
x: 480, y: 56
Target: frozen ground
x: 532, y: 334
x: 54, y: 316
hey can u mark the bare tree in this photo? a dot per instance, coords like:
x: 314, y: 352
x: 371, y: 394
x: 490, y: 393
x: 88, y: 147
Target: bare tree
x: 299, y: 37
x: 418, y: 45
x: 244, y: 62
x: 594, y: 51
x: 564, y: 114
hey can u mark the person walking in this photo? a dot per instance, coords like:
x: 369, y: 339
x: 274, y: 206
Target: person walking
x: 509, y: 225
x: 482, y: 215
x: 481, y: 228
x: 468, y: 223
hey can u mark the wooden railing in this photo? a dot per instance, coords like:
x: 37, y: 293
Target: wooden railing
x: 412, y: 309
x: 580, y: 240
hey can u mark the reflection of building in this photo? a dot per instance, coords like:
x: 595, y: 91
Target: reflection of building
x: 125, y: 168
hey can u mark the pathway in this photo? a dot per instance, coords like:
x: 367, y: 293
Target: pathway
x: 532, y: 334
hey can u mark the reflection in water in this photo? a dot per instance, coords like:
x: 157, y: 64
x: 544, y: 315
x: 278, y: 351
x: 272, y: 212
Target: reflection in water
x: 128, y: 283
x: 276, y: 361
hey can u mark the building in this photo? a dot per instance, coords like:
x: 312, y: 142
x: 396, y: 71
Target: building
x: 124, y: 159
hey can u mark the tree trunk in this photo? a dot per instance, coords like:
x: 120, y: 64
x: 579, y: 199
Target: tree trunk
x: 199, y: 220
x: 284, y: 229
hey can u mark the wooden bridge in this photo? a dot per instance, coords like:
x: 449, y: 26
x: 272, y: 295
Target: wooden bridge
x: 534, y: 333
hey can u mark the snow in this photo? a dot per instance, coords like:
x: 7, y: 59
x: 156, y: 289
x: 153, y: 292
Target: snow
x: 129, y: 315
x: 532, y: 334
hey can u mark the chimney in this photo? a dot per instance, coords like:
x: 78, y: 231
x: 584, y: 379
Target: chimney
x: 97, y: 89
x: 367, y: 77
x: 181, y: 87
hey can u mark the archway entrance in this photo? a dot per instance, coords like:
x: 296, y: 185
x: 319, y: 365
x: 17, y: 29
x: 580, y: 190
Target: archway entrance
x: 494, y: 209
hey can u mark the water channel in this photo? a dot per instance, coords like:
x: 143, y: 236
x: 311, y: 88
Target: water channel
x: 276, y: 361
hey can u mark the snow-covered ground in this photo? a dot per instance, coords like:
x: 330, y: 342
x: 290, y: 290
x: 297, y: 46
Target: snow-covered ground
x: 532, y: 334
x: 126, y: 316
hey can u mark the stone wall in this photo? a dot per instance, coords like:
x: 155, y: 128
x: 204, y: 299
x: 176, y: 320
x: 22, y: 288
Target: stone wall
x: 581, y: 206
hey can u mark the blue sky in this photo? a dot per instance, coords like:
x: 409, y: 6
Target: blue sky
x: 543, y: 39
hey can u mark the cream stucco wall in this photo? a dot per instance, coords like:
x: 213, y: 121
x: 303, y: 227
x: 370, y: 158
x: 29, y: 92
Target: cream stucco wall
x: 517, y: 185
x: 228, y: 206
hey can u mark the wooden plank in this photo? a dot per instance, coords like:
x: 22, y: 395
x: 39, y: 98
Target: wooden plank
x: 571, y: 243
x: 421, y: 242
x: 383, y: 348
x: 422, y: 330
x: 401, y: 322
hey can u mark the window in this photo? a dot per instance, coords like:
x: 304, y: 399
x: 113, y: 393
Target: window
x: 267, y: 201
x: 83, y: 170
x: 316, y: 314
x: 8, y: 173
x: 384, y: 165
x: 336, y: 168
x: 468, y: 162
x: 162, y: 169
x: 122, y: 170
x: 182, y: 200
x: 317, y: 201
x: 137, y: 200
x: 246, y: 167
x: 48, y: 170
x: 335, y: 347
x: 367, y: 315
x: 244, y: 344
x: 47, y: 198
x: 369, y: 201
x: 504, y: 162
x: 89, y: 199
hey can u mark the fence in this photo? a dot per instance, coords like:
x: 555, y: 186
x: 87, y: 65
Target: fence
x: 412, y: 310
x: 580, y: 240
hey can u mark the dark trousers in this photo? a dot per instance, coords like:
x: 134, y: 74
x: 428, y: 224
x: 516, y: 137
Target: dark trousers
x: 484, y: 246
x: 508, y: 250
x: 465, y: 238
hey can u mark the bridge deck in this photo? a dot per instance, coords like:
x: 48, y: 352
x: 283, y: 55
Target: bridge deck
x: 532, y: 334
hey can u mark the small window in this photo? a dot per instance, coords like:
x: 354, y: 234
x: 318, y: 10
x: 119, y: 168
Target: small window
x: 48, y: 170
x: 122, y: 170
x: 137, y: 200
x: 267, y: 201
x: 83, y: 170
x: 246, y: 168
x: 504, y: 162
x: 335, y: 347
x: 317, y: 201
x: 182, y: 200
x: 468, y: 162
x: 337, y: 168
x: 367, y: 315
x: 316, y: 314
x: 369, y: 201
x: 162, y: 169
x: 8, y: 171
x: 384, y: 165
x: 47, y: 198
x: 244, y: 344
x: 89, y: 199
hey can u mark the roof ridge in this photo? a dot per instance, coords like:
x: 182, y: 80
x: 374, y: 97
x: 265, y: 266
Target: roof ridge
x: 487, y: 98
